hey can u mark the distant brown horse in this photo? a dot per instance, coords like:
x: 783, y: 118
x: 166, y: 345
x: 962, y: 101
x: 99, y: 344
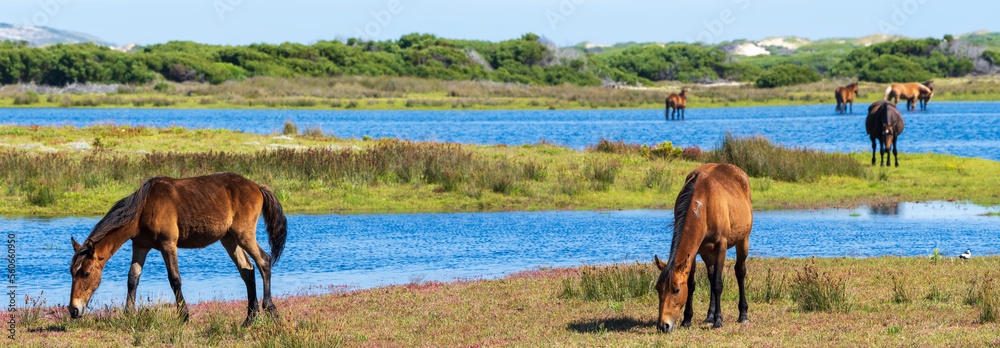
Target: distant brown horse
x: 712, y: 213
x: 924, y: 96
x: 885, y: 124
x: 166, y: 214
x: 677, y: 103
x: 909, y: 91
x: 845, y: 95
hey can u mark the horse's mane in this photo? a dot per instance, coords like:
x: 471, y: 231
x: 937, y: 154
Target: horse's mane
x: 681, y: 207
x: 124, y: 211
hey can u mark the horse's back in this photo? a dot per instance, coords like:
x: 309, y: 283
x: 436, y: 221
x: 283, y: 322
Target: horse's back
x: 200, y: 209
x: 725, y: 188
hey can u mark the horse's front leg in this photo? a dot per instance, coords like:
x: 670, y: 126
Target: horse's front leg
x: 881, y: 153
x: 138, y: 259
x: 689, y: 308
x: 710, y: 269
x: 174, y: 275
x: 720, y: 266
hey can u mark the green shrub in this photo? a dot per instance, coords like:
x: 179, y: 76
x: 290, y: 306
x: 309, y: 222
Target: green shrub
x: 290, y: 129
x: 787, y: 75
x: 815, y: 292
x: 889, y: 69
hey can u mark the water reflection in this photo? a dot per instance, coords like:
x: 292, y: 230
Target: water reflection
x: 885, y: 209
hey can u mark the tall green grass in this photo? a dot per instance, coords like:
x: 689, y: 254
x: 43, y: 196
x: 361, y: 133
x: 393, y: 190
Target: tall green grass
x: 44, y: 177
x: 761, y: 158
x: 615, y: 283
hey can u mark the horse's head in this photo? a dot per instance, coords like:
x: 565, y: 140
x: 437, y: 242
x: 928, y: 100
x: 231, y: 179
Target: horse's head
x: 86, y: 272
x: 888, y: 133
x: 854, y: 88
x: 672, y: 287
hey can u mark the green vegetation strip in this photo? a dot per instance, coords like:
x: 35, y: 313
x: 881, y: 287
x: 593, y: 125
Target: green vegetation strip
x: 793, y: 302
x: 411, y: 93
x: 42, y: 173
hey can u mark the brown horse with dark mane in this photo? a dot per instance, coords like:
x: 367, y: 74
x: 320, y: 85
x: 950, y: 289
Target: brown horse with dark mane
x: 712, y: 213
x: 845, y: 95
x: 911, y: 92
x: 885, y: 124
x: 678, y: 103
x: 166, y: 214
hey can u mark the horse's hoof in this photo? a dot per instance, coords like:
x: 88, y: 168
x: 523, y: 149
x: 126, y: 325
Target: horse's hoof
x: 717, y: 325
x: 686, y: 323
x: 743, y: 319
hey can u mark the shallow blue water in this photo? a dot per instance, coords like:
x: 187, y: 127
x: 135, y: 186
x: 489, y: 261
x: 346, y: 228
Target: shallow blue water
x: 361, y: 251
x: 970, y: 129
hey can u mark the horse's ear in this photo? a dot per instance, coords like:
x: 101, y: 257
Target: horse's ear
x: 683, y: 263
x: 659, y: 263
x: 88, y: 245
x: 76, y: 246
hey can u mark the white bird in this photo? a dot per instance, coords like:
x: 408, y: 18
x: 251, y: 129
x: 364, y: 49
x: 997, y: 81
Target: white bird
x: 966, y: 255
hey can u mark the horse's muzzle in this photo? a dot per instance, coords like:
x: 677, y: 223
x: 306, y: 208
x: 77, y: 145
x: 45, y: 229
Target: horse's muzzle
x: 666, y: 327
x: 76, y: 311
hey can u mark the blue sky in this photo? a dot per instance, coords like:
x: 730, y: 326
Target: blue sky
x: 565, y: 22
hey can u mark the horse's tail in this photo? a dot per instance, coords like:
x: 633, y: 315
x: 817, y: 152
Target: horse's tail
x: 123, y: 212
x: 277, y: 226
x: 888, y: 90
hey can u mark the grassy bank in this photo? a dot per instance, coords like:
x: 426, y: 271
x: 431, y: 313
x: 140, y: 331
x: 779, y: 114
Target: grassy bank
x: 884, y: 301
x: 43, y: 172
x: 409, y: 93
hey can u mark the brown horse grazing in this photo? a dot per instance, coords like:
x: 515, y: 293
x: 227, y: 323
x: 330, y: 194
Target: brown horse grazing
x: 924, y: 96
x: 885, y: 124
x: 166, y: 214
x: 677, y: 103
x: 909, y: 91
x: 712, y: 213
x: 845, y: 95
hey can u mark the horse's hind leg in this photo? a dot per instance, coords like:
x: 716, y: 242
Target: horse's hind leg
x: 174, y: 275
x: 138, y: 260
x: 263, y: 261
x: 874, y: 149
x: 243, y: 264
x: 742, y: 249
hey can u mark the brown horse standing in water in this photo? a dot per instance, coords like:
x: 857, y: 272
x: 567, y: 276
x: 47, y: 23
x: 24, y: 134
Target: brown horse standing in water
x: 166, y: 214
x: 712, y: 213
x: 845, y: 95
x: 909, y: 91
x: 885, y: 124
x: 924, y: 96
x: 677, y: 103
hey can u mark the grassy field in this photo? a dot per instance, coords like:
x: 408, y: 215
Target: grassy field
x: 884, y: 301
x: 408, y: 93
x: 42, y: 173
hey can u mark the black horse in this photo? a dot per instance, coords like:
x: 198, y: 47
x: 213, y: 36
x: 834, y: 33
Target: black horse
x: 885, y: 124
